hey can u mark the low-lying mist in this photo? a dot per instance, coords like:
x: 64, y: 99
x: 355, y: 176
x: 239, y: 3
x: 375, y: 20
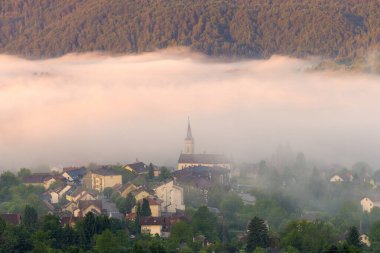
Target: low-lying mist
x: 94, y: 108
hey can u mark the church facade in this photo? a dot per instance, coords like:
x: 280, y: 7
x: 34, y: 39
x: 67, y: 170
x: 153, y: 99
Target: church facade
x: 189, y: 158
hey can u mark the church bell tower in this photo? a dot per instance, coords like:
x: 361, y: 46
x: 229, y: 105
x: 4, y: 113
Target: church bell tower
x: 189, y: 141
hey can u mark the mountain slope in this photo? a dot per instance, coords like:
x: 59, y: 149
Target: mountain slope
x: 46, y: 28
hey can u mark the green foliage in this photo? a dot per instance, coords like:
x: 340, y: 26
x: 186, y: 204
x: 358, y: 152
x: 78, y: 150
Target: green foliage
x: 204, y: 223
x: 150, y: 171
x: 257, y: 235
x: 353, y: 237
x: 145, y: 209
x: 181, y: 232
x: 308, y: 236
x: 30, y: 217
x: 164, y: 174
x: 130, y: 203
x: 107, y: 242
x: 108, y: 192
x: 337, y: 29
x: 23, y: 172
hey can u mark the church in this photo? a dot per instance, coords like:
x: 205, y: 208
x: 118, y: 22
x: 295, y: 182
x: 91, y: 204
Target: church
x: 188, y: 158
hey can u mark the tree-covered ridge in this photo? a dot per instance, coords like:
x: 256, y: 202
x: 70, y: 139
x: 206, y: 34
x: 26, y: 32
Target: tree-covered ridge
x: 45, y: 28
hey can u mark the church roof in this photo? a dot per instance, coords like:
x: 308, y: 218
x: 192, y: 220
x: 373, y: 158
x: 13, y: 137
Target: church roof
x: 203, y: 158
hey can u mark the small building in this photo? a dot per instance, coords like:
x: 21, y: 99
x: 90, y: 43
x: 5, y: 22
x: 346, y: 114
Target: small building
x: 74, y: 174
x: 124, y: 190
x: 86, y: 206
x: 368, y: 204
x: 137, y: 167
x: 39, y: 179
x: 152, y: 225
x: 80, y: 194
x: 11, y: 218
x: 336, y: 179
x: 141, y: 193
x: 364, y: 239
x: 171, y: 196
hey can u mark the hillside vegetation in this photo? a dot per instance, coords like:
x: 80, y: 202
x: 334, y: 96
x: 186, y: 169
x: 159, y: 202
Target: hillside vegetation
x: 341, y: 30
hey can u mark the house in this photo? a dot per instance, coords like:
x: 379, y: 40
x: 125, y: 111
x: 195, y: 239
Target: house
x: 155, y: 206
x: 152, y: 225
x: 137, y: 167
x: 124, y: 190
x: 171, y: 196
x: 11, y: 218
x: 364, y: 239
x: 336, y: 179
x: 49, y: 207
x: 188, y: 158
x: 86, y: 206
x: 39, y: 179
x: 141, y: 193
x: 367, y: 204
x: 102, y: 178
x: 56, y: 194
x: 80, y: 194
x: 74, y: 174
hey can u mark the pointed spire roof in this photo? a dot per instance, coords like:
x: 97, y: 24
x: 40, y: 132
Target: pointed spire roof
x: 189, y: 135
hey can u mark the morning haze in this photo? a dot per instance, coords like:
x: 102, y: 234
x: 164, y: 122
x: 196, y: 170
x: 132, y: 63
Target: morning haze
x: 87, y: 108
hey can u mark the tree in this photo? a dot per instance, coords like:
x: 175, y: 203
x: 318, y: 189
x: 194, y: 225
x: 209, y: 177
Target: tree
x: 257, y: 234
x: 151, y: 171
x: 181, y: 233
x: 30, y: 217
x: 108, y: 192
x: 374, y: 235
x: 204, y: 222
x: 8, y: 179
x: 145, y: 208
x: 165, y: 173
x: 23, y: 172
x: 130, y: 203
x: 107, y: 242
x: 353, y: 237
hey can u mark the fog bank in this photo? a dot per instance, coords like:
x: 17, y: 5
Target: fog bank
x: 94, y: 108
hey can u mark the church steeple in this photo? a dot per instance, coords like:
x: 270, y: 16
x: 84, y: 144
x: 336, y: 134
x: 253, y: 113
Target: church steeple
x: 189, y: 135
x: 189, y: 141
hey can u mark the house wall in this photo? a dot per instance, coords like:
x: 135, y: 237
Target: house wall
x: 336, y: 179
x: 156, y: 210
x: 54, y: 197
x: 151, y: 229
x: 49, y: 182
x: 100, y: 182
x: 171, y: 197
x: 142, y: 195
x: 366, y: 204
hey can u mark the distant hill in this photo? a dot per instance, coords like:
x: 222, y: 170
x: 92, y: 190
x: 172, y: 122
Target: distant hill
x: 341, y: 30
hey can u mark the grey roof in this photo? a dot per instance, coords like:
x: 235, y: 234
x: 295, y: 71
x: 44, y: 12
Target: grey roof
x: 138, y: 167
x: 203, y: 158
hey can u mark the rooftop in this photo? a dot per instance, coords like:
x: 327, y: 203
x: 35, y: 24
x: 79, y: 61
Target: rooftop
x: 203, y: 158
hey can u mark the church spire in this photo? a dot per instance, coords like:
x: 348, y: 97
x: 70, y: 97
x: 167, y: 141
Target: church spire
x: 189, y: 135
x: 189, y: 141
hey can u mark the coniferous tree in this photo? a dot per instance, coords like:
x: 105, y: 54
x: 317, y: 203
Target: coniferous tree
x: 353, y: 237
x: 130, y: 203
x: 145, y: 208
x: 257, y: 234
x: 151, y: 171
x: 30, y: 217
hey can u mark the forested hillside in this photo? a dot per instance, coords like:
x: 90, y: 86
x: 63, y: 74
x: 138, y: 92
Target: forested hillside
x: 45, y: 28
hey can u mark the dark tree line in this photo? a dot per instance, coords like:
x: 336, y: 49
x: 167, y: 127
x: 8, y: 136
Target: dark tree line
x: 44, y: 28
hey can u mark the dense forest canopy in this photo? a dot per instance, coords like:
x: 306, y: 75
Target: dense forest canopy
x: 341, y: 30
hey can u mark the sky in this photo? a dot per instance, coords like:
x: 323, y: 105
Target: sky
x: 104, y: 109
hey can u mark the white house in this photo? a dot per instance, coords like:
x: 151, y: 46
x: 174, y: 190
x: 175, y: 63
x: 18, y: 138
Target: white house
x: 367, y: 204
x: 336, y: 179
x: 171, y: 196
